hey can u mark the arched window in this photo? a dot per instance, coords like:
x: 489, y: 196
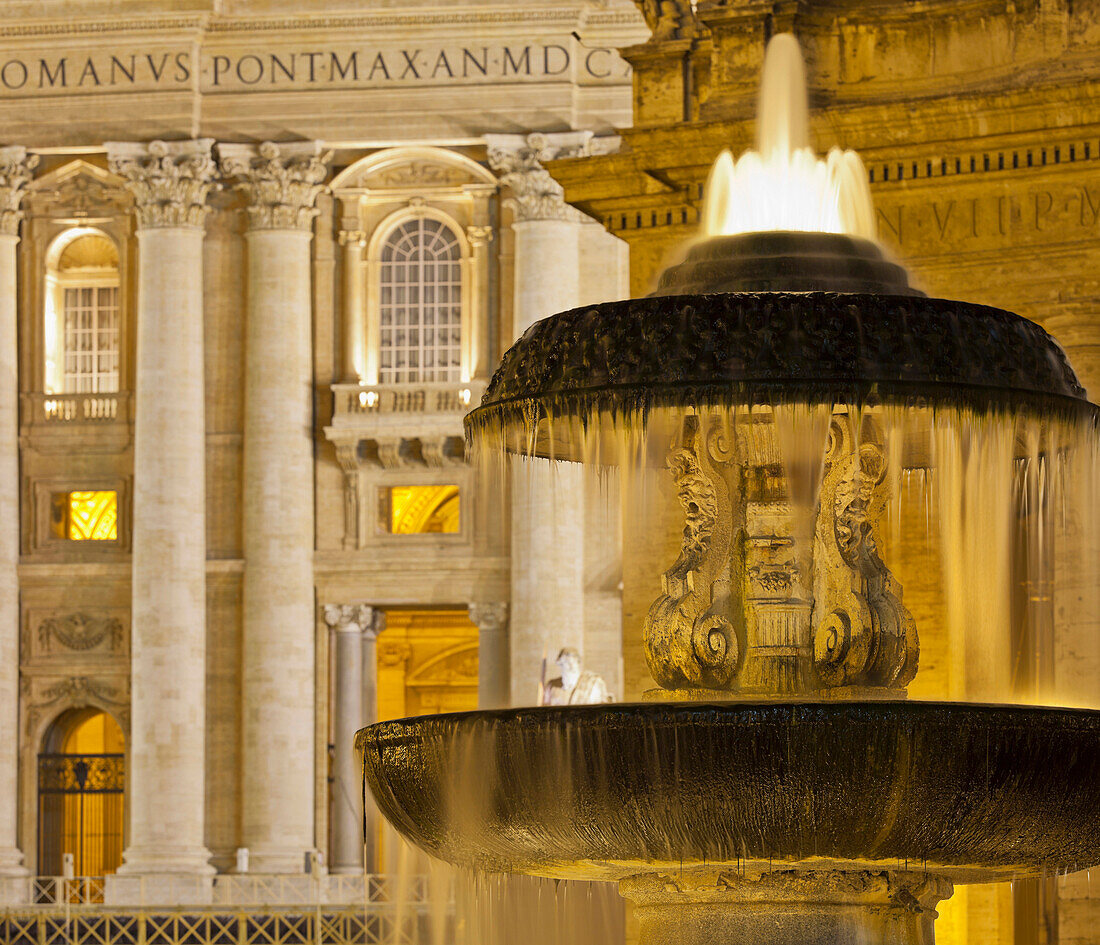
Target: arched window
x: 420, y: 304
x: 82, y: 315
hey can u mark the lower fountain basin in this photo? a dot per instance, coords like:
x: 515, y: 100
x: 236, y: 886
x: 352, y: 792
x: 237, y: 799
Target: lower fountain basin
x: 969, y: 792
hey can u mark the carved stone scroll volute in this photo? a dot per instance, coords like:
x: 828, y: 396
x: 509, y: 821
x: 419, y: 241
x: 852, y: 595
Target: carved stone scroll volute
x: 863, y: 634
x: 690, y: 635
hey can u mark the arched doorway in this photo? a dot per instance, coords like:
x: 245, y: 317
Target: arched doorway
x: 81, y: 784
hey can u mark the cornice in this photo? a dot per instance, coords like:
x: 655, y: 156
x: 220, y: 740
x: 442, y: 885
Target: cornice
x: 370, y: 21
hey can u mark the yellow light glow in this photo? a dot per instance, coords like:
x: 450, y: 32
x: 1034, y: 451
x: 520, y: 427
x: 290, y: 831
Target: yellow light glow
x: 420, y: 510
x: 85, y: 515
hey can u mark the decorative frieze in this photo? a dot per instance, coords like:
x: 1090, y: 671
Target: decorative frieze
x: 169, y: 180
x: 518, y: 159
x: 280, y: 181
x: 80, y: 632
x: 16, y: 169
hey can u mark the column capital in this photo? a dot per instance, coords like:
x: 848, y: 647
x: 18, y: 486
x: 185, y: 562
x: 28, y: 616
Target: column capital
x: 518, y: 159
x: 479, y: 235
x: 280, y: 181
x: 168, y: 179
x: 354, y: 618
x: 489, y: 615
x: 16, y: 167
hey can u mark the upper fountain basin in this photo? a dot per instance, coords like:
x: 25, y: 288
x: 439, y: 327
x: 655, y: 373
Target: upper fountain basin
x: 601, y: 364
x: 971, y: 792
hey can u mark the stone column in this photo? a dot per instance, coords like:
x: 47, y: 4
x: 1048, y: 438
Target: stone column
x: 15, y: 172
x: 548, y: 507
x: 169, y: 182
x: 353, y: 647
x: 492, y: 654
x: 281, y: 183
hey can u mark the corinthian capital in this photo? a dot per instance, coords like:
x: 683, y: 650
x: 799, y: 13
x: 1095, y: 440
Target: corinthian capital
x: 488, y: 615
x: 517, y: 160
x: 15, y: 173
x: 281, y: 181
x: 169, y: 180
x: 353, y: 618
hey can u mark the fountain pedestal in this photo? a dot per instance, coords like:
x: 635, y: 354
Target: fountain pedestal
x: 787, y: 907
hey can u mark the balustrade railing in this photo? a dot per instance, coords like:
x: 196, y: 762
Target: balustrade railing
x: 228, y: 890
x: 353, y: 401
x: 63, y: 409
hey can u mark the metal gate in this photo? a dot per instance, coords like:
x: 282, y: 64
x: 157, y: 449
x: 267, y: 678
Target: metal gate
x: 80, y: 811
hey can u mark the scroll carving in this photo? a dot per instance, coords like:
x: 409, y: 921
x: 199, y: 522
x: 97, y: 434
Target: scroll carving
x: 690, y: 639
x: 863, y: 634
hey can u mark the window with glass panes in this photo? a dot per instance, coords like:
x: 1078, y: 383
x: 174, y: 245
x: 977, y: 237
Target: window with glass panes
x: 91, y: 339
x: 420, y: 310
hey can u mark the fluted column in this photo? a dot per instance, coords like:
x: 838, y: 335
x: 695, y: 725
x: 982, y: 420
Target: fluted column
x: 15, y: 172
x: 281, y: 183
x: 169, y: 182
x: 492, y: 654
x: 353, y: 632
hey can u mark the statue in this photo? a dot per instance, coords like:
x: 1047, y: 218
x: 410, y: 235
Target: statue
x: 668, y: 19
x: 575, y: 686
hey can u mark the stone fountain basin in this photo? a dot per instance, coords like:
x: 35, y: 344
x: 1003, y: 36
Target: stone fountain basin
x: 970, y: 792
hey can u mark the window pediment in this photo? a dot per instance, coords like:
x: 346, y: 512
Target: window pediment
x: 77, y: 191
x: 404, y: 169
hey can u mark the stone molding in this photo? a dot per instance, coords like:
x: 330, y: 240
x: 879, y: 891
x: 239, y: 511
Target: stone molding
x: 16, y: 170
x: 489, y: 616
x: 170, y: 180
x: 43, y: 695
x: 280, y: 181
x: 354, y: 618
x: 518, y: 162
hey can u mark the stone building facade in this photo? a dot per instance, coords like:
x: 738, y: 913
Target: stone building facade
x: 257, y: 261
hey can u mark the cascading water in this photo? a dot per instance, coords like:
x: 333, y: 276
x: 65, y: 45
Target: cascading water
x: 851, y: 469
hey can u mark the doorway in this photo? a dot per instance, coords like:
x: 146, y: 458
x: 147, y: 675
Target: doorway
x: 81, y: 794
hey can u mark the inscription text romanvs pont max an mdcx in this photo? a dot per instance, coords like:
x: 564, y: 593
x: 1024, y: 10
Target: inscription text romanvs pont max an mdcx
x: 40, y: 72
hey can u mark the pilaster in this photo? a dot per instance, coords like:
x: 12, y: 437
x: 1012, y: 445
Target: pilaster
x: 16, y: 168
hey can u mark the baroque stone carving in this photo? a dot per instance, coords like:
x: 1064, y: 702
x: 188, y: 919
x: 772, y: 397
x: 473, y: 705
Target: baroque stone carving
x: 80, y: 632
x: 479, y: 235
x: 169, y: 180
x: 16, y: 170
x: 417, y: 174
x: 75, y: 691
x: 690, y: 640
x: 863, y: 633
x: 517, y: 160
x: 281, y: 182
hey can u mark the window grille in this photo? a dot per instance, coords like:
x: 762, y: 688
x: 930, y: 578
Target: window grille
x: 91, y: 339
x: 420, y: 310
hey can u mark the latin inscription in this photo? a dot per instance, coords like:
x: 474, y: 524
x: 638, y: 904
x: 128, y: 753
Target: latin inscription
x: 350, y: 67
x: 1039, y: 214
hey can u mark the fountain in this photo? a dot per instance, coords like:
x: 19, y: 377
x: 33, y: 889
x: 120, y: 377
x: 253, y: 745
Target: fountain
x: 777, y: 786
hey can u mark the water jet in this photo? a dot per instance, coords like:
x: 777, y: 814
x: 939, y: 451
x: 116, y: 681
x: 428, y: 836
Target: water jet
x: 777, y: 786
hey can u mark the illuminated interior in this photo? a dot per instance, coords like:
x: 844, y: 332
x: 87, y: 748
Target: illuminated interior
x: 421, y: 510
x: 85, y: 515
x: 81, y: 792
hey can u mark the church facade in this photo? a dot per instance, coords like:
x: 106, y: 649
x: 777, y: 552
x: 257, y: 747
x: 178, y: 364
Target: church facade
x: 258, y: 260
